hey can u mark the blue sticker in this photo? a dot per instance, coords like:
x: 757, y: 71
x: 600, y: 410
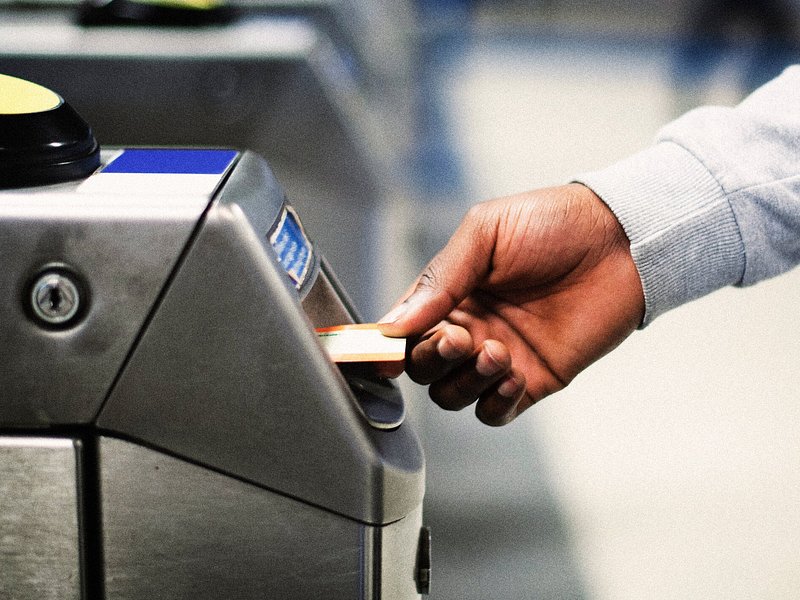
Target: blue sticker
x: 292, y: 246
x: 193, y: 161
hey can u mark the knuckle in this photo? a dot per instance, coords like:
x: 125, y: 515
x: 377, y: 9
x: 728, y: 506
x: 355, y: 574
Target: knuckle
x: 446, y: 396
x: 428, y: 279
x: 476, y: 214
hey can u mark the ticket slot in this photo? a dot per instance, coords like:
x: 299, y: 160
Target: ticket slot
x: 326, y: 304
x: 379, y: 398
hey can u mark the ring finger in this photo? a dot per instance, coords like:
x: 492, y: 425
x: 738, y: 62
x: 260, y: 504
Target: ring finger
x: 466, y: 383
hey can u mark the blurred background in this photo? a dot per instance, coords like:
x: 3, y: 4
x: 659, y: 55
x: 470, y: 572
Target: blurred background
x: 669, y: 469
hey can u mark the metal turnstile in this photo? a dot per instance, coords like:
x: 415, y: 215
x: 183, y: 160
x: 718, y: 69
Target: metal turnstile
x: 169, y: 424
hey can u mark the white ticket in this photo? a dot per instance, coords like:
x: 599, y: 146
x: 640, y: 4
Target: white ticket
x: 361, y: 342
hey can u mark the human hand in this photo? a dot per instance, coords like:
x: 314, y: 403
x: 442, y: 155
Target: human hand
x: 529, y: 291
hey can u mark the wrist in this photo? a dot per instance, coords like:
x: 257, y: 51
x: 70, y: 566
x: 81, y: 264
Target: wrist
x: 615, y: 250
x: 683, y: 236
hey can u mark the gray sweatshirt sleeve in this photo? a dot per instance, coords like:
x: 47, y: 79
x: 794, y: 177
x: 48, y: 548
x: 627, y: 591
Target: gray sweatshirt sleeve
x: 716, y: 200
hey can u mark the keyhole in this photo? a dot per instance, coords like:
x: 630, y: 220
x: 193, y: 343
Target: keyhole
x: 55, y: 299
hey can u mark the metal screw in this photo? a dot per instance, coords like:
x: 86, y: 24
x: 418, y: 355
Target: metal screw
x: 55, y: 298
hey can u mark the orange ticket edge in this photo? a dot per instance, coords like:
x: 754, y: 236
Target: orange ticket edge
x: 349, y: 326
x: 393, y: 357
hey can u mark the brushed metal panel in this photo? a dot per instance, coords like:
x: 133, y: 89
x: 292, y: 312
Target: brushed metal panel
x: 175, y: 530
x: 399, y: 544
x: 39, y: 536
x: 122, y: 247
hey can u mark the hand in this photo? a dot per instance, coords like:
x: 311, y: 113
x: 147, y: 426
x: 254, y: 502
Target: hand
x: 529, y: 291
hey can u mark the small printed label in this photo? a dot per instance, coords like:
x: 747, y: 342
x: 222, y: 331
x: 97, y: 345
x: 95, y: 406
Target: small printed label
x: 361, y: 342
x: 292, y: 246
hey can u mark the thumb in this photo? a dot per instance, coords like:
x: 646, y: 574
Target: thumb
x: 448, y: 279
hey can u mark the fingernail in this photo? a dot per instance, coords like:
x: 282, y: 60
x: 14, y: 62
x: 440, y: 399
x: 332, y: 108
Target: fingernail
x: 414, y: 301
x: 486, y: 365
x: 508, y: 388
x: 447, y: 350
x: 394, y: 314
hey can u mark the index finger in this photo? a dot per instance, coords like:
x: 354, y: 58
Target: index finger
x: 447, y: 280
x: 434, y: 356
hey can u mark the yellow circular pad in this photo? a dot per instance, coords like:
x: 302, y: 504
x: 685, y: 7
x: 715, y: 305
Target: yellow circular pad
x: 19, y: 97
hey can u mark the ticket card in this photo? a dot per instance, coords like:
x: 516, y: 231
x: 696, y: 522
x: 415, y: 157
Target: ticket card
x: 362, y: 342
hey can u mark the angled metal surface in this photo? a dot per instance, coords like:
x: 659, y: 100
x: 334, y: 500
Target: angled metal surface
x: 229, y: 373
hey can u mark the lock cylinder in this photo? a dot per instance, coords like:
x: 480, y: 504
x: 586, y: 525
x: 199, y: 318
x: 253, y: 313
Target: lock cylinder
x: 42, y: 139
x: 55, y: 298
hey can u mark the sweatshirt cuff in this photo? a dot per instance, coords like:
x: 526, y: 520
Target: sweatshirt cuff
x: 684, y: 237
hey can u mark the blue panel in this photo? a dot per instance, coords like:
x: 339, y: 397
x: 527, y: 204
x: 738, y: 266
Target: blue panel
x: 292, y: 247
x: 164, y: 160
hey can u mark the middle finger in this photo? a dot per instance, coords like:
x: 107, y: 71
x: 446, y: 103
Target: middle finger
x: 463, y: 385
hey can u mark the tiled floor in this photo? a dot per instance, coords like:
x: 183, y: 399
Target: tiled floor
x: 671, y: 468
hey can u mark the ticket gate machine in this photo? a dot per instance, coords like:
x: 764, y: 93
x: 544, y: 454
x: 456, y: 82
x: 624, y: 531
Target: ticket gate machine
x: 169, y: 424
